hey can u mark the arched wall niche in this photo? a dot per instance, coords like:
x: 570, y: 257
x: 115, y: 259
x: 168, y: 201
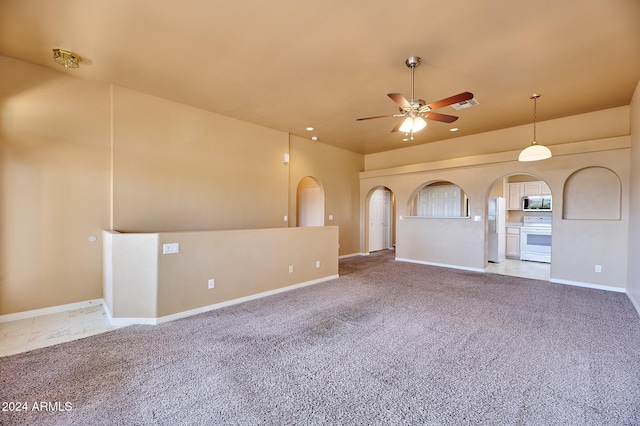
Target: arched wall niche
x: 592, y: 193
x: 438, y: 199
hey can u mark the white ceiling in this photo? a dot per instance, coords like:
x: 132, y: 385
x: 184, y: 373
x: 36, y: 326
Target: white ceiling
x: 289, y: 64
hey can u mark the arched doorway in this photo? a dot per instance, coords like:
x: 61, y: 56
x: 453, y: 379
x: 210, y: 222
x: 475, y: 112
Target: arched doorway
x: 525, y: 234
x: 381, y: 220
x: 309, y: 203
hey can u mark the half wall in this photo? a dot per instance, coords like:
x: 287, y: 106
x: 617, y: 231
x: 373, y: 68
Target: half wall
x: 144, y: 286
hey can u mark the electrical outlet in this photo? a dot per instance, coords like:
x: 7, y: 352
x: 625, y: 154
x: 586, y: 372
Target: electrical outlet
x: 172, y: 248
x: 290, y: 269
x: 598, y: 268
x: 212, y: 283
x: 317, y: 263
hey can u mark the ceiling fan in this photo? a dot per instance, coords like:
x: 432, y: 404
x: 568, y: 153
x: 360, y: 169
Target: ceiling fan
x: 414, y: 111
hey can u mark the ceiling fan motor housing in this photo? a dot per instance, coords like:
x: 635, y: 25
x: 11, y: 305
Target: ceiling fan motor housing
x: 416, y: 104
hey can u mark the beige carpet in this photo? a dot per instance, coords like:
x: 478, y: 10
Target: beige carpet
x: 386, y: 343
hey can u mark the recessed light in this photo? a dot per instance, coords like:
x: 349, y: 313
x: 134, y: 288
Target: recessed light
x: 310, y: 129
x: 453, y: 129
x: 314, y: 138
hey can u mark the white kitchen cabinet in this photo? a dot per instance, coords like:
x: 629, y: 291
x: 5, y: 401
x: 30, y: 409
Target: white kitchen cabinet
x: 513, y: 242
x: 517, y: 190
x: 535, y: 188
x: 532, y: 188
x: 515, y: 196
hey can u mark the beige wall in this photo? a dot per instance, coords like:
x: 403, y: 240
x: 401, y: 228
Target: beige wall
x: 577, y: 244
x: 178, y: 168
x: 145, y: 284
x: 592, y: 126
x: 337, y: 172
x: 175, y: 168
x: 633, y: 286
x: 131, y: 274
x: 54, y: 186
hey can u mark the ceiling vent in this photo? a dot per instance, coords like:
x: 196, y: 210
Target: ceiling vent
x: 465, y: 104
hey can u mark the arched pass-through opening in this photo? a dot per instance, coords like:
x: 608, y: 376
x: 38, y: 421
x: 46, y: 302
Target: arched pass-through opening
x: 309, y: 203
x: 439, y: 199
x: 519, y: 229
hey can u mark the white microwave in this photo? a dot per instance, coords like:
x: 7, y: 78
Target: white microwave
x: 536, y: 203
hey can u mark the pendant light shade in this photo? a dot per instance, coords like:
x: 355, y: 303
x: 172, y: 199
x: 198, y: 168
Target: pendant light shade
x: 535, y: 151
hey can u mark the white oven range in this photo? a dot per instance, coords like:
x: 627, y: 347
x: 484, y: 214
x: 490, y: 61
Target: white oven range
x: 535, y: 239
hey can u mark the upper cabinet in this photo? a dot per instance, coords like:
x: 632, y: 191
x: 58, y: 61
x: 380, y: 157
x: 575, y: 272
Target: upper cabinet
x: 515, y: 196
x: 535, y: 188
x: 517, y: 190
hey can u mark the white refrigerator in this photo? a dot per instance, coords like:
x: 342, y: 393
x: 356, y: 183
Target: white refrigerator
x: 496, y: 234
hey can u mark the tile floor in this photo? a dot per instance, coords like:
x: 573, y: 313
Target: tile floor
x: 46, y: 330
x: 520, y: 268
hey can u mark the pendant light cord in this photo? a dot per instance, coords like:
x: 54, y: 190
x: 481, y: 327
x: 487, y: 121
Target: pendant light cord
x: 535, y: 97
x: 534, y: 118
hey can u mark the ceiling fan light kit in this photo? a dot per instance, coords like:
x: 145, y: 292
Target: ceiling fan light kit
x: 66, y: 58
x: 415, y: 112
x: 534, y: 152
x: 413, y: 124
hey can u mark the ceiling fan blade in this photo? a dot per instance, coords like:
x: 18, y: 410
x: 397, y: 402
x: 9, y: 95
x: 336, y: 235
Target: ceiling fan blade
x: 397, y: 128
x: 377, y: 116
x: 460, y: 97
x: 436, y: 116
x: 400, y: 100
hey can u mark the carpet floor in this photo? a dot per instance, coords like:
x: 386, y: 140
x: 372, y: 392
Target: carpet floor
x: 386, y: 343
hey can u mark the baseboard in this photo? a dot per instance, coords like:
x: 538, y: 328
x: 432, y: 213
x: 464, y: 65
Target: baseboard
x: 588, y: 285
x: 184, y: 314
x: 344, y: 256
x: 634, y: 302
x: 50, y: 310
x: 442, y: 265
x: 126, y: 321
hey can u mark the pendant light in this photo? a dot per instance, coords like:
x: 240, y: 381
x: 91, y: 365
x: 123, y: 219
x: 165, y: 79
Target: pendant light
x: 535, y: 151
